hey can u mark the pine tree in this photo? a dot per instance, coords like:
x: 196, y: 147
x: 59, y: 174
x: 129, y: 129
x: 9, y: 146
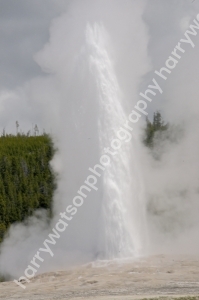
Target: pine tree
x: 151, y: 128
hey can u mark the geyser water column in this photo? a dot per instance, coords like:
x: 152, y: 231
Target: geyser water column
x: 122, y: 230
x: 79, y: 98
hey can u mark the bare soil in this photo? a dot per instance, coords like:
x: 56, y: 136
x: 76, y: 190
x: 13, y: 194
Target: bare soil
x: 155, y: 276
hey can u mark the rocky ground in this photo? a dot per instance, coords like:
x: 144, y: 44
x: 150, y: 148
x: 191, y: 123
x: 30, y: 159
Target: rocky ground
x: 147, y: 277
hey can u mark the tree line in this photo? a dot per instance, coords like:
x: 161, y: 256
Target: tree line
x: 26, y: 179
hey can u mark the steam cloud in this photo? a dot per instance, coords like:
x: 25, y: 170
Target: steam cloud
x: 65, y: 100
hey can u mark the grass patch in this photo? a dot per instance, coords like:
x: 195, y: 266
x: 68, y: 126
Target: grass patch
x: 2, y: 279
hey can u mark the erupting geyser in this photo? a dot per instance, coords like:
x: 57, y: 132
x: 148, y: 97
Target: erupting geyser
x: 90, y: 87
x: 122, y: 226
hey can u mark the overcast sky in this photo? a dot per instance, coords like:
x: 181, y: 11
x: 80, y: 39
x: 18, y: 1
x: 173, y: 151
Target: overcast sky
x: 24, y: 30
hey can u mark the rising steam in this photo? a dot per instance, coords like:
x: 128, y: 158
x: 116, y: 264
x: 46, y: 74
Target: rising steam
x: 84, y: 98
x: 95, y: 62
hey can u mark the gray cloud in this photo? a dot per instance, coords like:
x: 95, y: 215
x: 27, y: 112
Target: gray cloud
x: 24, y: 29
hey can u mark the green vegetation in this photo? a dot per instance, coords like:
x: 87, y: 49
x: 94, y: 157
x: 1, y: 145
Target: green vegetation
x: 152, y: 128
x: 26, y: 180
x: 2, y: 279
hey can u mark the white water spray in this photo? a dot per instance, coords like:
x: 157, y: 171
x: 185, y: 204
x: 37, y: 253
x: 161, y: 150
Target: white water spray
x: 122, y: 227
x: 81, y: 101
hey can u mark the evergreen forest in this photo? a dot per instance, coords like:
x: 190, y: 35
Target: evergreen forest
x: 27, y: 181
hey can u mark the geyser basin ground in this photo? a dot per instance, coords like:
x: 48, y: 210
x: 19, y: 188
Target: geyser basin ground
x: 159, y: 275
